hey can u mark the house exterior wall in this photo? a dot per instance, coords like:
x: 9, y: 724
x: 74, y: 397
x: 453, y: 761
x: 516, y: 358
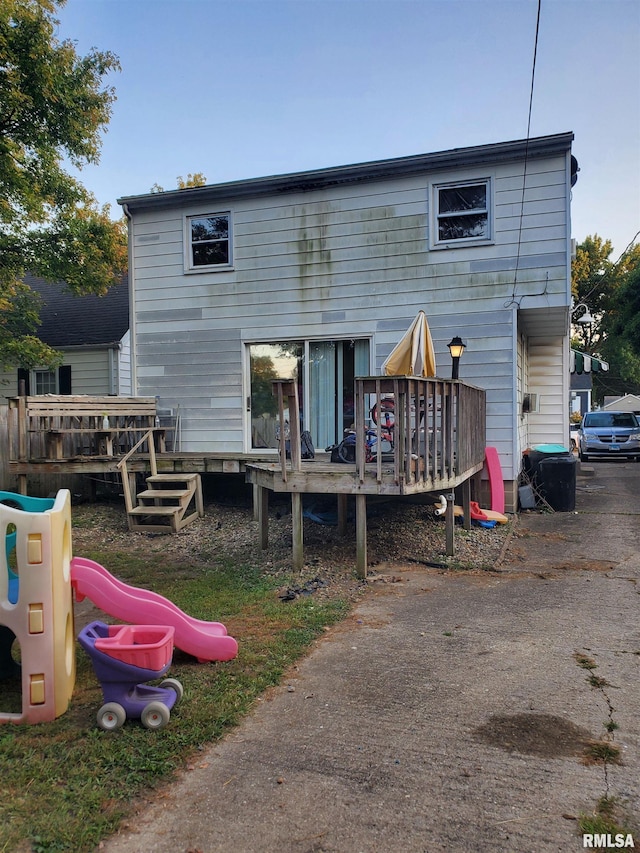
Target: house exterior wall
x: 123, y: 367
x: 93, y: 371
x: 549, y: 378
x: 347, y: 261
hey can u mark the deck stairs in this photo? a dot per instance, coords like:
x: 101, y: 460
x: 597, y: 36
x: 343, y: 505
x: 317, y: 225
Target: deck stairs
x: 167, y: 504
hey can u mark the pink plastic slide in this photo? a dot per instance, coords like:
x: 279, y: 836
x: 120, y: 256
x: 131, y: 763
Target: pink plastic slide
x: 204, y: 640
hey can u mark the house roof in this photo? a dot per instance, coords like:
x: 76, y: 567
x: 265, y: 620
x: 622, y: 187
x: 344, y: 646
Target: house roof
x: 76, y: 321
x: 627, y: 403
x: 501, y: 152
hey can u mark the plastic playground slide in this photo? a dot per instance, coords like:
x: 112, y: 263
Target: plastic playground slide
x: 206, y: 641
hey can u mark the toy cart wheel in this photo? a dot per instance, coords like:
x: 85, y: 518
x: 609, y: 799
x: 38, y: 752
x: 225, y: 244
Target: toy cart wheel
x: 111, y: 716
x: 155, y: 716
x: 174, y: 684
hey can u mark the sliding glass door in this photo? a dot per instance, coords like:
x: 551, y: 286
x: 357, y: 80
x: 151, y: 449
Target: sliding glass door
x: 324, y: 370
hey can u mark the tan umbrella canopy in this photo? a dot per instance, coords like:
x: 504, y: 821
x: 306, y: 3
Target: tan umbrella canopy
x: 413, y: 355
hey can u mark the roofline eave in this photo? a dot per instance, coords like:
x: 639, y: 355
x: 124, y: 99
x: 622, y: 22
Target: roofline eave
x: 374, y: 170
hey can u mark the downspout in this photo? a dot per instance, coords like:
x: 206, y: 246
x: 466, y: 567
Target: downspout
x: 132, y: 291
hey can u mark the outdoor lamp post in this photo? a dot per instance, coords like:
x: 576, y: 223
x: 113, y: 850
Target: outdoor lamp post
x: 584, y: 319
x: 456, y: 348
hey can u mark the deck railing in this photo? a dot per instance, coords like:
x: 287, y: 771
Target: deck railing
x: 59, y: 427
x: 430, y: 430
x: 438, y: 428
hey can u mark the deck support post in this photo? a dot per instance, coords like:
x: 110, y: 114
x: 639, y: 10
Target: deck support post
x: 297, y: 530
x: 261, y: 509
x: 342, y: 514
x: 466, y: 504
x: 361, y: 536
x: 256, y: 497
x: 449, y: 525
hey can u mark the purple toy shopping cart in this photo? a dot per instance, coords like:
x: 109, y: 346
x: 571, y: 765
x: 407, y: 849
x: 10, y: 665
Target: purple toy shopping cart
x: 123, y: 658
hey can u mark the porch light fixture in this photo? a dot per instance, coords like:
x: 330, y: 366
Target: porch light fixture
x: 456, y: 348
x: 584, y: 319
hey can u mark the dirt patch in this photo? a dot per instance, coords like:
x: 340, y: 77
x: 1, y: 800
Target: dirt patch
x: 543, y: 735
x: 398, y: 533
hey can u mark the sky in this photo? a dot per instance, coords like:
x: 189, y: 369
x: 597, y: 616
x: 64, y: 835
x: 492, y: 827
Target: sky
x: 250, y: 88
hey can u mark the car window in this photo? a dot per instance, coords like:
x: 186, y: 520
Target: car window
x: 610, y: 419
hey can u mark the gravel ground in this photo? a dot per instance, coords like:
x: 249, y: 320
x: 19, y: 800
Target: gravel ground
x: 399, y: 533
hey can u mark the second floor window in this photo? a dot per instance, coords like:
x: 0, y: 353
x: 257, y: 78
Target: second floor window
x: 209, y: 240
x: 462, y: 212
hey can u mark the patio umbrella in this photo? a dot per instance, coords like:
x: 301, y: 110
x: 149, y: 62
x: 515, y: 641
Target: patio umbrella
x: 413, y: 355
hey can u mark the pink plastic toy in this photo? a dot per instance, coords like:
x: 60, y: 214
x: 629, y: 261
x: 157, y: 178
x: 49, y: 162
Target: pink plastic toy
x: 206, y: 641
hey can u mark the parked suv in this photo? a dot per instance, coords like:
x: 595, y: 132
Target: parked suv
x: 609, y: 434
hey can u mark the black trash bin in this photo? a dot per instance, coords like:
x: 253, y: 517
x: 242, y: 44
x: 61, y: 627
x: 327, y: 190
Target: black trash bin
x: 537, y: 454
x: 557, y: 482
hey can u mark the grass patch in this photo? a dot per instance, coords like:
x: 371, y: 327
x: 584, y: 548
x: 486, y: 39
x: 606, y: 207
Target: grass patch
x: 607, y: 818
x: 67, y: 784
x: 601, y: 752
x: 584, y: 661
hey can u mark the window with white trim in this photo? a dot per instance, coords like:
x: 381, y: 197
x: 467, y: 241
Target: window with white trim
x: 45, y: 381
x: 462, y: 213
x: 209, y: 241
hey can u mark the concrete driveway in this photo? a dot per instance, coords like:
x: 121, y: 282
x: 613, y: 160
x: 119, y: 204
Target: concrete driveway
x: 451, y: 712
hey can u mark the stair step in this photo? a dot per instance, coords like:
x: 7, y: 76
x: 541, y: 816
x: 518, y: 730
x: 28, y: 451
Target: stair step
x: 155, y: 510
x: 172, y: 478
x: 158, y: 494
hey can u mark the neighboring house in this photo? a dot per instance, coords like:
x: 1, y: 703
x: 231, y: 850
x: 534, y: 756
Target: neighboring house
x: 628, y: 403
x: 92, y: 333
x: 582, y: 367
x: 320, y: 273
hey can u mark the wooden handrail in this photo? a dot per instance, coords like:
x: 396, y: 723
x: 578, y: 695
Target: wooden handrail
x: 124, y: 473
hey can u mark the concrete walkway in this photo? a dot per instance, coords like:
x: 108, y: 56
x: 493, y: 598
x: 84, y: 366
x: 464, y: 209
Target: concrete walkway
x: 450, y: 713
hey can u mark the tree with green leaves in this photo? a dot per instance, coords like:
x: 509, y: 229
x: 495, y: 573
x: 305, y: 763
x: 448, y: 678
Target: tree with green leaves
x: 611, y: 291
x: 54, y: 105
x: 197, y: 179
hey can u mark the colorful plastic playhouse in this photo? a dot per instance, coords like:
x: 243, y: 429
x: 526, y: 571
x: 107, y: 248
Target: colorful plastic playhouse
x: 38, y: 578
x: 36, y: 605
x: 125, y: 656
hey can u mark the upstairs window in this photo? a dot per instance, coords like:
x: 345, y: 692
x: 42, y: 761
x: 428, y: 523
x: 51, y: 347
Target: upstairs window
x: 209, y: 240
x: 462, y: 213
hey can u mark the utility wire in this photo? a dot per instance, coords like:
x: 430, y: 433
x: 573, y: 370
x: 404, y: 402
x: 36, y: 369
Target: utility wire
x: 526, y: 152
x: 612, y: 268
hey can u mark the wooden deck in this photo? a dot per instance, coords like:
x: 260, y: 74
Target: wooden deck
x: 438, y: 445
x: 438, y: 436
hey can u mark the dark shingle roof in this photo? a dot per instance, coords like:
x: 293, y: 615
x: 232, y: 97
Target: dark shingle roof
x: 70, y: 321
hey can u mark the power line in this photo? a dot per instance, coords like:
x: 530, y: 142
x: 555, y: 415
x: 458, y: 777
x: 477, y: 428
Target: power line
x: 612, y: 268
x: 526, y: 150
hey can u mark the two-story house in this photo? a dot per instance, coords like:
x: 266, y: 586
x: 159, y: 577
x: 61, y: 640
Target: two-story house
x: 318, y: 274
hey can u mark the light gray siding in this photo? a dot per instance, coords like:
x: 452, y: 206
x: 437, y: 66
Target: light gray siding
x: 350, y: 260
x: 123, y: 378
x: 94, y: 371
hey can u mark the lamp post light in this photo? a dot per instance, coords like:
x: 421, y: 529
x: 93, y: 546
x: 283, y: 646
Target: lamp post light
x: 585, y: 319
x: 456, y: 348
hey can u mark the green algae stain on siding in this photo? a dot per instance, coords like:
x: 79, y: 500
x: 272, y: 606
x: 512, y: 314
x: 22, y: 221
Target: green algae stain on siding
x: 314, y: 252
